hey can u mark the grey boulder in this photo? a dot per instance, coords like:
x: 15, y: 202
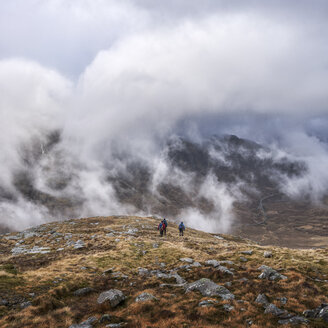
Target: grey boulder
x: 209, y: 288
x: 113, y: 296
x: 272, y: 309
x: 213, y: 263
x: 145, y: 297
x: 294, y: 321
x: 270, y: 274
x: 262, y: 299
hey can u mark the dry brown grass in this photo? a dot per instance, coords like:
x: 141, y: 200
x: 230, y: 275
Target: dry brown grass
x: 54, y: 277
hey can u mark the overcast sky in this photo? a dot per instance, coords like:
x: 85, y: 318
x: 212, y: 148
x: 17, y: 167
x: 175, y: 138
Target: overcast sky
x: 137, y: 71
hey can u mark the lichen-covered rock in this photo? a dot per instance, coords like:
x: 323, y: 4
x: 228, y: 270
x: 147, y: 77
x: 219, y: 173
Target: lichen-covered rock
x: 267, y: 254
x: 85, y: 324
x: 323, y: 314
x: 186, y: 259
x: 228, y: 307
x: 249, y: 252
x: 262, y: 299
x: 213, y: 263
x: 224, y: 269
x: 270, y: 274
x: 294, y: 321
x: 209, y: 288
x: 145, y: 297
x: 207, y: 303
x: 113, y: 296
x: 143, y: 272
x: 272, y: 309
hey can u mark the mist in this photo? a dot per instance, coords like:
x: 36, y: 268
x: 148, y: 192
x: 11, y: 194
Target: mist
x: 118, y: 81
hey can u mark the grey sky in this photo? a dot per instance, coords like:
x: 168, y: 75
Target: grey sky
x: 136, y: 72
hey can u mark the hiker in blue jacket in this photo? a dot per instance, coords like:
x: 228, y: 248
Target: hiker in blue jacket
x: 161, y: 228
x: 165, y: 226
x: 182, y: 228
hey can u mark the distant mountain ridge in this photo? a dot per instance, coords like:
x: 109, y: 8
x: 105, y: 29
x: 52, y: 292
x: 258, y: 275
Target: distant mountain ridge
x: 139, y: 185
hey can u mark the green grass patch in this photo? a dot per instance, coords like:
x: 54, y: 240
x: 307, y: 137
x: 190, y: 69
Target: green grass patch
x: 9, y: 268
x: 10, y: 282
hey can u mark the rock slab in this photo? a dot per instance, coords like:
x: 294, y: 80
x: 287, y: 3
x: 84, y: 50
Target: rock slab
x: 113, y: 296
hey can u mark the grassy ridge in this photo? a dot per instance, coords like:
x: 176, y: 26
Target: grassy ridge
x: 49, y: 280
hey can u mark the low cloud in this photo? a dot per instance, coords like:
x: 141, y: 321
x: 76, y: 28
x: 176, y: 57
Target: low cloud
x: 141, y: 73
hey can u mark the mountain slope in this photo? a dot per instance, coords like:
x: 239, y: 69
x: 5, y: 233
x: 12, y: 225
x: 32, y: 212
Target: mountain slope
x: 43, y: 271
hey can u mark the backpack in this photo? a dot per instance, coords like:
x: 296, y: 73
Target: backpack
x: 163, y: 226
x: 181, y: 226
x: 164, y: 221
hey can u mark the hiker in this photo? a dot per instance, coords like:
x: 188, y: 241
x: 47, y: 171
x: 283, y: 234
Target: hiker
x: 181, y: 228
x: 165, y: 223
x: 161, y: 228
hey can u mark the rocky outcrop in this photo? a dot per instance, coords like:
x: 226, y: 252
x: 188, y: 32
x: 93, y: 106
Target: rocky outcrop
x: 209, y: 288
x: 113, y: 296
x: 270, y: 274
x: 145, y: 297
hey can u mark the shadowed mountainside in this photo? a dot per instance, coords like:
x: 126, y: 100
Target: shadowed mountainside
x: 235, y: 163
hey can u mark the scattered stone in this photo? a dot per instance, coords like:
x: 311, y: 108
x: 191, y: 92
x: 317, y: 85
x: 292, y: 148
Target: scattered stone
x: 224, y: 269
x: 25, y: 304
x: 30, y: 234
x: 116, y: 325
x: 294, y: 321
x: 309, y: 313
x: 145, y: 297
x: 267, y: 254
x: 85, y: 324
x: 3, y: 302
x: 213, y: 263
x: 195, y: 264
x: 83, y: 291
x: 113, y: 296
x: 34, y: 250
x: 155, y: 245
x: 209, y: 288
x: 250, y: 252
x: 243, y: 259
x: 228, y: 284
x: 249, y: 322
x: 262, y: 299
x: 283, y: 300
x: 79, y: 244
x: 228, y: 307
x: 187, y: 259
x: 12, y: 237
x: 272, y: 309
x: 143, y: 272
x: 110, y: 234
x: 218, y: 237
x: 119, y: 274
x: 270, y: 274
x: 105, y: 318
x: 324, y: 313
x: 207, y: 303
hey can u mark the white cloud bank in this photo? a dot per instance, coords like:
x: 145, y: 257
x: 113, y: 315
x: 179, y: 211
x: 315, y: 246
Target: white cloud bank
x: 144, y: 68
